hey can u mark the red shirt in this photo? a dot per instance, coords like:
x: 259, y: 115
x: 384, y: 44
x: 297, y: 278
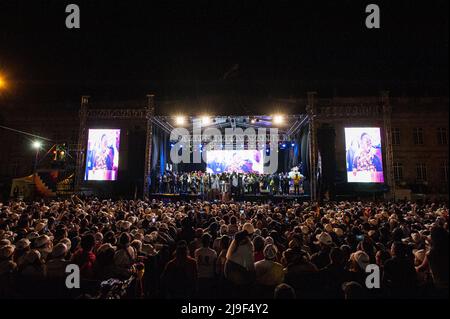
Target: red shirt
x: 84, y: 260
x: 259, y: 255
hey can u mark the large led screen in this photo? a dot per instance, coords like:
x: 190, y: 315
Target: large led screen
x: 240, y: 161
x: 363, y: 155
x: 102, y: 158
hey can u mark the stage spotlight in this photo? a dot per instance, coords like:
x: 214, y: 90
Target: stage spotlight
x: 283, y: 145
x: 292, y: 144
x: 278, y: 119
x: 37, y: 144
x: 180, y: 120
x: 253, y: 121
x: 206, y: 120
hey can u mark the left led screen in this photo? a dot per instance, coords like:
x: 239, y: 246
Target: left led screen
x: 102, y: 157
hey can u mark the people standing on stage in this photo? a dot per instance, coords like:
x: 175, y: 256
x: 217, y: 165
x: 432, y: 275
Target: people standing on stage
x: 157, y: 188
x: 234, y: 184
x: 173, y: 182
x: 165, y: 183
x: 178, y: 183
x: 212, y: 186
x: 297, y: 179
x: 240, y: 188
x: 184, y: 183
x: 287, y: 183
x: 276, y: 183
x: 215, y: 186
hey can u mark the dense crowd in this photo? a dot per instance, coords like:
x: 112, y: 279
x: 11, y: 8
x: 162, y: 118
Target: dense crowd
x: 211, y: 185
x: 225, y: 250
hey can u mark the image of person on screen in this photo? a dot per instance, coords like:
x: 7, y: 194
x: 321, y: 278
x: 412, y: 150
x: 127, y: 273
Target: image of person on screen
x: 104, y: 157
x: 366, y: 158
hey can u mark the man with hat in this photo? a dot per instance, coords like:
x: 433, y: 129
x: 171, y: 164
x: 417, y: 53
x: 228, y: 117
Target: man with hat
x: 56, y: 265
x: 269, y: 273
x: 322, y: 257
x: 44, y: 245
x: 7, y: 265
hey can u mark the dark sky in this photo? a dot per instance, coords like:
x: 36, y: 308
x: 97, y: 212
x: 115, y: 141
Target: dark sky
x: 125, y: 49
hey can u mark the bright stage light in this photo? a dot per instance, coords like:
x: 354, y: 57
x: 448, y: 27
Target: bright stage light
x: 206, y: 120
x: 278, y: 119
x: 253, y: 121
x: 37, y: 144
x: 180, y: 120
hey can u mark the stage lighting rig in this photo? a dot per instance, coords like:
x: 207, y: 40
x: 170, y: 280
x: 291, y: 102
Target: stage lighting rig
x: 278, y: 119
x: 180, y: 120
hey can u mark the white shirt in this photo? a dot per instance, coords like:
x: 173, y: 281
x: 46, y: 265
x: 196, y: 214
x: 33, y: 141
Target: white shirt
x: 206, y: 262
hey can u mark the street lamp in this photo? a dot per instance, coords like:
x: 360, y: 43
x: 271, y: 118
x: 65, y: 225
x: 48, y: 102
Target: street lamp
x: 36, y: 145
x: 2, y: 83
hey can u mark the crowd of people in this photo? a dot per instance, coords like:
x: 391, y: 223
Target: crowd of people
x: 211, y: 185
x: 202, y: 249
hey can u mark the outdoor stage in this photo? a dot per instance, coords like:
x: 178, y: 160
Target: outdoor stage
x: 152, y: 146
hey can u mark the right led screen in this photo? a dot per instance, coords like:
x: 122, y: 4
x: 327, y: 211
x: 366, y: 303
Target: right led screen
x: 364, y: 155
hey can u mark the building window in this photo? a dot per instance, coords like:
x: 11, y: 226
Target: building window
x: 421, y: 172
x: 398, y: 171
x: 396, y: 136
x: 444, y: 171
x: 442, y: 136
x: 418, y: 136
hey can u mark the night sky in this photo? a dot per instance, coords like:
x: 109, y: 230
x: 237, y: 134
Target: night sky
x: 178, y: 49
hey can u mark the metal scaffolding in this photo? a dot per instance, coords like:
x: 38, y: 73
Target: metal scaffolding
x: 387, y: 110
x: 311, y: 109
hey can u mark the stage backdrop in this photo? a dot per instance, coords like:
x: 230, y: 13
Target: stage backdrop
x: 239, y: 161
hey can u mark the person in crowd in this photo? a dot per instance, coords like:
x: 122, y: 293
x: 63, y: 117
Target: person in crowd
x: 22, y: 247
x: 359, y: 261
x: 258, y: 244
x: 335, y: 273
x: 179, y: 278
x: 57, y: 262
x: 284, y: 291
x: 32, y: 268
x: 436, y: 260
x: 7, y: 264
x: 240, y: 265
x: 222, y: 257
x: 298, y: 270
x: 353, y: 290
x: 399, y: 275
x: 124, y: 257
x: 84, y: 257
x: 322, y: 257
x: 269, y: 273
x: 206, y: 259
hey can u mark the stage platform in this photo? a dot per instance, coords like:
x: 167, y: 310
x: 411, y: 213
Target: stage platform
x: 245, y: 197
